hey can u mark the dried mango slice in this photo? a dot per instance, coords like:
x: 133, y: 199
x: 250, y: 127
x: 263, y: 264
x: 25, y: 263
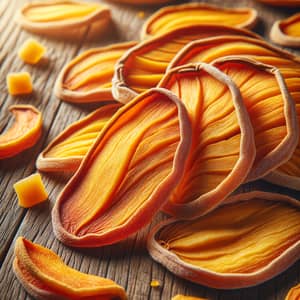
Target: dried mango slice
x: 179, y: 16
x: 24, y: 132
x: 249, y: 240
x: 142, y: 67
x: 271, y: 109
x: 87, y: 78
x: 287, y: 32
x: 182, y: 297
x: 31, y: 51
x: 223, y: 147
x: 45, y: 276
x: 287, y: 3
x: 19, y: 83
x: 208, y: 50
x: 128, y: 174
x: 68, y: 149
x: 294, y: 293
x: 64, y: 18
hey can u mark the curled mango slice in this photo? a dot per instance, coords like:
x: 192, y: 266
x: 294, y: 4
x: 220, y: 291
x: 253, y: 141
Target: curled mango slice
x: 179, y: 16
x: 87, y: 78
x: 288, y: 174
x: 128, y: 174
x: 223, y: 148
x: 294, y: 293
x: 271, y: 109
x: 142, y: 67
x: 67, y: 150
x: 24, y: 133
x: 287, y: 32
x: 45, y: 276
x: 252, y: 238
x: 64, y: 18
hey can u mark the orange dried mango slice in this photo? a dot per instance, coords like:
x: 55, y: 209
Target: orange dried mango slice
x: 208, y: 50
x: 68, y: 149
x: 287, y: 32
x: 128, y: 174
x: 142, y: 67
x: 294, y: 293
x: 271, y: 109
x: 87, y: 78
x: 179, y: 16
x: 24, y: 132
x: 19, y: 83
x: 251, y: 239
x: 64, y: 18
x: 287, y: 3
x: 45, y: 276
x: 223, y: 147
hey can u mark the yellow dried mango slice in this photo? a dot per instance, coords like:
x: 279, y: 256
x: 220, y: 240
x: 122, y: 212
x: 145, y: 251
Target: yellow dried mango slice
x: 223, y: 147
x: 249, y: 240
x: 23, y: 133
x: 45, y: 276
x: 179, y: 16
x: 87, y: 78
x: 64, y: 18
x: 287, y: 3
x: 128, y: 174
x: 287, y: 32
x: 208, y: 50
x: 142, y: 67
x: 68, y: 149
x: 271, y: 109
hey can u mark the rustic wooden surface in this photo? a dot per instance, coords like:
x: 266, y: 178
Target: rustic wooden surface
x: 127, y: 262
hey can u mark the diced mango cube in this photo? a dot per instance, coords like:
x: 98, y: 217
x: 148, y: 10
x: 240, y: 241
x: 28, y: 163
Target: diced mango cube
x: 19, y: 83
x: 31, y: 190
x: 31, y: 51
x: 155, y: 283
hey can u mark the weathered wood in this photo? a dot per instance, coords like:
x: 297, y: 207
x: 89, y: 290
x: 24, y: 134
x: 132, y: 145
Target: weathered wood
x: 127, y: 262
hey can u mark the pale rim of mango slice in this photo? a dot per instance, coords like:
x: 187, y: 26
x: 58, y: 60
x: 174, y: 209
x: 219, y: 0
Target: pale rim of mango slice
x: 279, y: 37
x: 146, y: 29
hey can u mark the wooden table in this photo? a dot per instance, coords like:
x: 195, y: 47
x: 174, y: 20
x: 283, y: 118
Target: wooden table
x: 127, y: 262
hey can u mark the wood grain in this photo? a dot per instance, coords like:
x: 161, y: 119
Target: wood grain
x: 127, y: 262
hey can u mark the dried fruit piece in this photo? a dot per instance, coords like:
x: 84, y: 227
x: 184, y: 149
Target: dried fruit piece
x: 87, y: 78
x: 31, y: 51
x: 294, y: 293
x: 289, y: 65
x: 179, y: 16
x: 64, y: 18
x: 249, y: 240
x: 155, y: 283
x: 271, y: 109
x: 19, y: 83
x: 182, y: 297
x: 127, y: 175
x: 223, y: 147
x: 31, y: 190
x: 68, y: 149
x: 287, y: 32
x: 24, y: 133
x: 45, y: 276
x: 142, y: 67
x: 287, y: 3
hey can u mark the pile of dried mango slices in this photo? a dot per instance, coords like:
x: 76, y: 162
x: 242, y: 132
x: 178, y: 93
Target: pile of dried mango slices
x: 201, y: 106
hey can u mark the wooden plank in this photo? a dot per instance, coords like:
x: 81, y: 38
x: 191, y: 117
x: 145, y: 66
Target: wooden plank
x: 127, y: 262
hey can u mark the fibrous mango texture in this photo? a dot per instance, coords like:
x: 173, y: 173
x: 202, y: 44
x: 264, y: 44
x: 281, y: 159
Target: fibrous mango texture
x: 288, y: 64
x: 68, y: 149
x: 142, y: 67
x: 45, y: 276
x: 223, y: 149
x: 287, y: 32
x: 249, y: 240
x: 87, y: 78
x: 180, y: 16
x: 128, y: 174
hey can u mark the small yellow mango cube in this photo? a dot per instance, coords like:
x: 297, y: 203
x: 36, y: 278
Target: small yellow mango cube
x: 19, y: 83
x: 31, y: 51
x: 31, y: 190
